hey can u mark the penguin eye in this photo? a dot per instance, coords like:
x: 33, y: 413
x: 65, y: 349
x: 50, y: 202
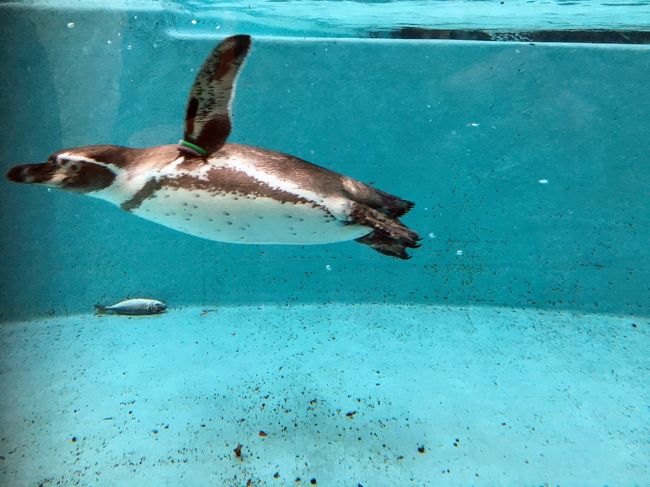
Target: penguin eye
x: 74, y: 167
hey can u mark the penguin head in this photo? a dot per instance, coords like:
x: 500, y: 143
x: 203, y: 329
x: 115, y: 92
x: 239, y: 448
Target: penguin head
x: 81, y: 169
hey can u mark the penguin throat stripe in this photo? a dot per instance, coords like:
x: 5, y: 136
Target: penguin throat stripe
x: 189, y: 148
x: 149, y: 188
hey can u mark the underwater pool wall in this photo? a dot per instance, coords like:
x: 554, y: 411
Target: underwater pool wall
x: 528, y: 163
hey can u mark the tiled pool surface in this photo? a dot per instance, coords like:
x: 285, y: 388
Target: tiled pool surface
x: 346, y: 395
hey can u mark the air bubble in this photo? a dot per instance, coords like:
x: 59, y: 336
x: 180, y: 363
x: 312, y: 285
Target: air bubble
x: 543, y: 181
x: 328, y: 267
x: 459, y: 252
x: 193, y: 21
x: 432, y: 235
x: 70, y: 25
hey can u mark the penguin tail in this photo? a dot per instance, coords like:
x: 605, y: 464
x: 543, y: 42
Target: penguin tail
x: 393, y: 205
x: 390, y: 205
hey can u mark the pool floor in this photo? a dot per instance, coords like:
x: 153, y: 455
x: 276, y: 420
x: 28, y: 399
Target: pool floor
x: 339, y: 395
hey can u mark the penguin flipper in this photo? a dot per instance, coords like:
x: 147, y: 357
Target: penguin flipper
x: 207, y: 117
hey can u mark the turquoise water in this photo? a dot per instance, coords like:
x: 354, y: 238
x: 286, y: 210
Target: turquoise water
x: 511, y: 349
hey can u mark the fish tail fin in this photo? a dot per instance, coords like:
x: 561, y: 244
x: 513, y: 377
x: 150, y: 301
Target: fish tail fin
x: 100, y: 310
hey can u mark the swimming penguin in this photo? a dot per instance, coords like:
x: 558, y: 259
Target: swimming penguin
x: 228, y: 192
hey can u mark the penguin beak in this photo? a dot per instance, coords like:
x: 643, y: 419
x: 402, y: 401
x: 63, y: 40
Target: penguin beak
x: 31, y: 173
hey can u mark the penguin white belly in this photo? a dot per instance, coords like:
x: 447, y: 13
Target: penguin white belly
x: 241, y: 219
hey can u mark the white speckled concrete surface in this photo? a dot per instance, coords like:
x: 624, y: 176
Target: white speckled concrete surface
x: 347, y: 395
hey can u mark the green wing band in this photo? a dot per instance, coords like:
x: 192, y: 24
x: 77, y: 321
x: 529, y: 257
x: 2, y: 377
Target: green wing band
x: 195, y: 147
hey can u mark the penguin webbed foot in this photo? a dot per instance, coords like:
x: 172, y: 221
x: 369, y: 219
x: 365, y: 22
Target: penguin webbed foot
x: 390, y: 236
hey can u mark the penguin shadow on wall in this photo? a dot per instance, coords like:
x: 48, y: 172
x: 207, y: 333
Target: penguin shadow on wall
x: 226, y: 192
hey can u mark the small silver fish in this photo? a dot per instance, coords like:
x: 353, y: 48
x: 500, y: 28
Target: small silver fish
x: 139, y: 306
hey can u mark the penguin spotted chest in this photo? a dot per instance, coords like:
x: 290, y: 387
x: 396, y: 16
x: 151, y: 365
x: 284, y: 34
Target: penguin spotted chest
x: 229, y: 192
x: 236, y: 218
